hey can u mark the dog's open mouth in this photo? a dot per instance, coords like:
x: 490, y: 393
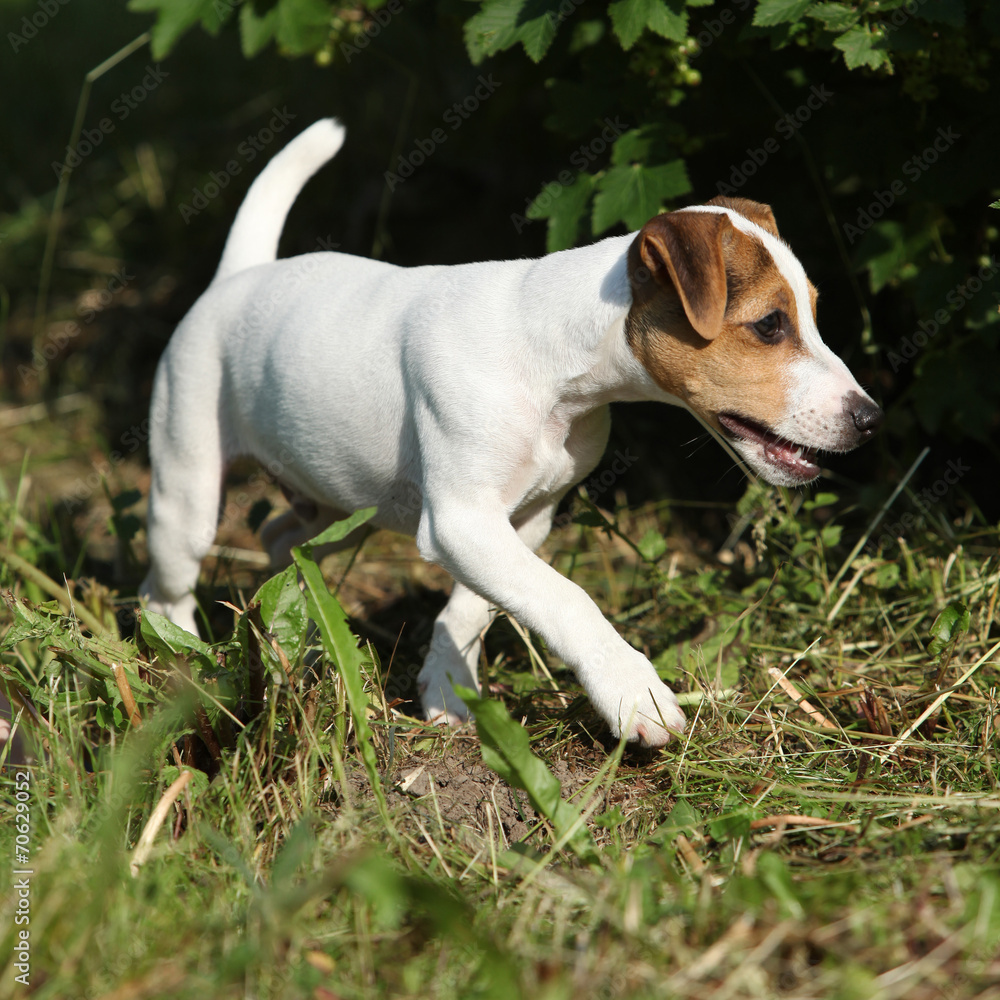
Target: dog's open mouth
x: 796, y: 461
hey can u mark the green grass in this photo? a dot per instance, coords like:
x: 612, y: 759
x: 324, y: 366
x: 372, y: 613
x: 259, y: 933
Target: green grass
x: 325, y: 845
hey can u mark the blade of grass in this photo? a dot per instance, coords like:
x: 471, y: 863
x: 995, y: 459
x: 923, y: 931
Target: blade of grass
x: 342, y: 645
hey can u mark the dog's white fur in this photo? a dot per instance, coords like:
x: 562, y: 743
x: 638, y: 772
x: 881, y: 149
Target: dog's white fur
x: 461, y: 401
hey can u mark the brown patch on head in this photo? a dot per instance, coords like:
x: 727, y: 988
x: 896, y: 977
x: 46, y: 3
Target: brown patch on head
x: 813, y: 296
x: 699, y: 286
x: 755, y: 211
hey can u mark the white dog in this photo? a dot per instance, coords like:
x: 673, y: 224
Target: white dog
x: 465, y: 401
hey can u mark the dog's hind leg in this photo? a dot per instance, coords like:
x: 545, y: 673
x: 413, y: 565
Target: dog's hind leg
x: 183, y: 512
x: 454, y: 655
x: 455, y: 646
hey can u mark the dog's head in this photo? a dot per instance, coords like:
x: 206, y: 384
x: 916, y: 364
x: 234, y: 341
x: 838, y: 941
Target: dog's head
x: 723, y: 317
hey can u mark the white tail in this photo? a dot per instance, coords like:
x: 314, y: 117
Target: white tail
x: 254, y: 237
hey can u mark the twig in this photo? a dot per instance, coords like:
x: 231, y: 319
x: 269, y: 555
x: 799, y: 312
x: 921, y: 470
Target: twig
x: 125, y: 690
x: 936, y: 704
x: 152, y: 827
x: 794, y: 820
x: 689, y: 854
x: 793, y: 692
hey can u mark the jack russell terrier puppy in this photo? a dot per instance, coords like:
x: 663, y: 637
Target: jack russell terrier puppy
x: 465, y: 401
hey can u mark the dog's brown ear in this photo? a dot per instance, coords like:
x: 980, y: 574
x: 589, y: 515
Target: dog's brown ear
x: 683, y: 250
x: 755, y: 211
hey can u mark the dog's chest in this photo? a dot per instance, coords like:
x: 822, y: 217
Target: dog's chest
x: 564, y: 452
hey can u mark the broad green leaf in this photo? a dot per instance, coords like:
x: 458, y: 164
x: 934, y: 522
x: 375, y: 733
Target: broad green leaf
x: 169, y: 640
x: 256, y: 32
x: 831, y: 535
x: 683, y: 818
x: 885, y: 577
x: 28, y: 623
x: 820, y: 500
x: 835, y: 16
x: 173, y: 18
x: 302, y: 25
x: 503, y: 23
x: 634, y: 194
x: 862, y: 48
x: 629, y: 18
x: 284, y: 612
x: 652, y: 545
x: 772, y: 12
x: 564, y: 206
x: 734, y: 822
x: 950, y: 625
x: 507, y: 751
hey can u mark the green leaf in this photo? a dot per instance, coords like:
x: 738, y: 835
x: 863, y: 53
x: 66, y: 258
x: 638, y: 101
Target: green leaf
x: 835, y: 16
x: 734, y: 821
x: 683, y: 818
x: 652, y: 545
x: 949, y: 626
x: 501, y: 24
x: 885, y: 577
x: 256, y: 32
x: 629, y: 18
x: 831, y: 535
x: 772, y: 12
x: 634, y: 194
x: 564, y: 207
x: 342, y: 646
x: 302, y: 25
x: 862, y: 48
x: 820, y: 500
x: 773, y: 872
x: 28, y: 624
x: 506, y: 750
x: 339, y: 530
x: 174, y: 17
x: 168, y: 640
x: 284, y: 611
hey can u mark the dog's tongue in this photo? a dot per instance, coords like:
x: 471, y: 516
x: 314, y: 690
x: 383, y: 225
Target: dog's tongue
x: 793, y: 458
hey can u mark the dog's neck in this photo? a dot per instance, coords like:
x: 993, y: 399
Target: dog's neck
x: 582, y: 324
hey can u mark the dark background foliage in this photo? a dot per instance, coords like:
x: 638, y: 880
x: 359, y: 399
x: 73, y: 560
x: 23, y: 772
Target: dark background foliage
x: 574, y: 120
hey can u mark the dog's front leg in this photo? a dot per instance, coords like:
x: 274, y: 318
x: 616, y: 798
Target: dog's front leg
x: 482, y: 550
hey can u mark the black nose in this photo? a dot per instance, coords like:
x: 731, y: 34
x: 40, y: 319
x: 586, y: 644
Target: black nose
x: 866, y: 415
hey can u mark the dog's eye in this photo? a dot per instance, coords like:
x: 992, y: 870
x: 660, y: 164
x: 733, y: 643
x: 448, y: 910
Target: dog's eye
x: 770, y: 326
